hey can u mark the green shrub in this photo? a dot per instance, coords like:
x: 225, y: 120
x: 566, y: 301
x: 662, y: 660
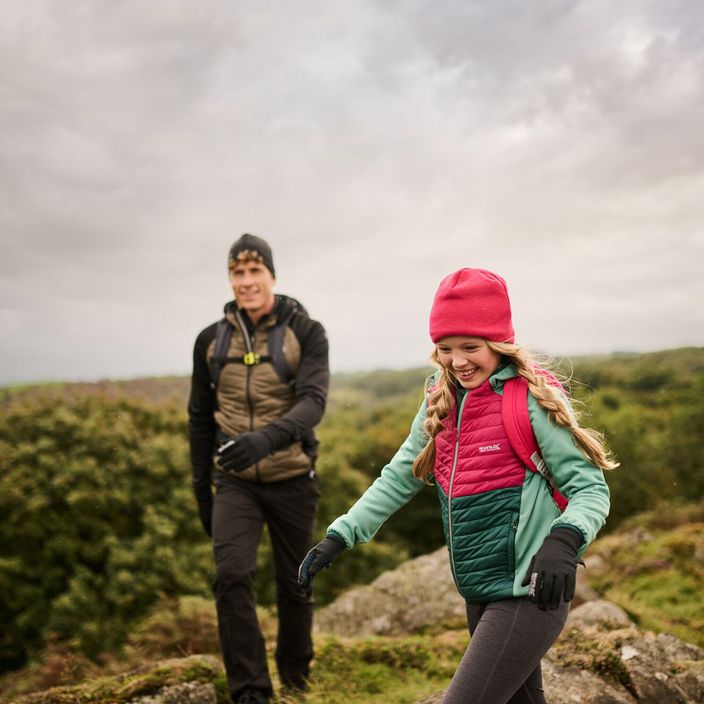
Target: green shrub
x: 98, y: 520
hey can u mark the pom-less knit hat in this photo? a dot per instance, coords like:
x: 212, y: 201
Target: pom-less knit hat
x: 252, y: 243
x: 472, y: 302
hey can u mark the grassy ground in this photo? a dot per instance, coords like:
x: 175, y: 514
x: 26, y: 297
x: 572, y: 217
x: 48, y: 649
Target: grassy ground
x: 654, y: 569
x: 351, y: 671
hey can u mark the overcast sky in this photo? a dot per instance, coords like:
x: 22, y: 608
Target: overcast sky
x: 377, y: 146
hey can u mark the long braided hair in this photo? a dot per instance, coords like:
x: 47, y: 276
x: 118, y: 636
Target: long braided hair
x: 441, y: 401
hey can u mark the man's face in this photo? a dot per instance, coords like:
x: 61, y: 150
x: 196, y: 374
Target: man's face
x: 253, y: 286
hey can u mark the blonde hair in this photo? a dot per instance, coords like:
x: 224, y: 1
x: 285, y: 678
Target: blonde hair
x: 442, y: 400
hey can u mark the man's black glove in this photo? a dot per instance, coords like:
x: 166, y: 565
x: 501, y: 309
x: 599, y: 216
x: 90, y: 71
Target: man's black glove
x: 204, y: 497
x: 552, y: 574
x: 319, y: 558
x: 242, y: 451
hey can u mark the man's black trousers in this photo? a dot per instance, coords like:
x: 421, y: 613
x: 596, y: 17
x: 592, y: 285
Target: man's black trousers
x: 241, y: 508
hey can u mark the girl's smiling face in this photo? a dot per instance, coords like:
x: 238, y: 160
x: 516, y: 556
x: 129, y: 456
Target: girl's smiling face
x: 469, y: 359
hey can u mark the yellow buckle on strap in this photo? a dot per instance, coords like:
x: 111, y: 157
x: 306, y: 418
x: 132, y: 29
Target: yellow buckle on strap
x: 251, y: 358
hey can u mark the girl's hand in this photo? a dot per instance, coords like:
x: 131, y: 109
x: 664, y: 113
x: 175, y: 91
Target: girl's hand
x: 552, y: 574
x: 319, y: 558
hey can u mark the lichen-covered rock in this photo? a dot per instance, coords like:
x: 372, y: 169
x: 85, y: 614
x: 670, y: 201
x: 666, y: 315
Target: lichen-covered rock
x: 599, y: 611
x: 418, y: 595
x: 691, y: 681
x: 653, y: 663
x: 189, y: 680
x: 570, y: 685
x: 187, y: 693
x: 599, y: 660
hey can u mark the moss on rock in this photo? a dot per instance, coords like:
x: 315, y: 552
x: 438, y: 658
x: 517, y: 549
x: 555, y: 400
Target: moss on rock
x: 142, y: 682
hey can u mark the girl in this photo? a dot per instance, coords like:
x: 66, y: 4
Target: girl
x: 512, y: 552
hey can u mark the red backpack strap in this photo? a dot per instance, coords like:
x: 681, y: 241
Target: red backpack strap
x: 550, y: 378
x: 514, y: 413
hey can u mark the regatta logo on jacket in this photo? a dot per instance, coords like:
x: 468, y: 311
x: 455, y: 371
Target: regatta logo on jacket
x: 490, y: 448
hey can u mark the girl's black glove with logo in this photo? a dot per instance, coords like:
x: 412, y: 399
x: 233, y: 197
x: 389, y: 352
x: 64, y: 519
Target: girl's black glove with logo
x: 552, y: 574
x: 319, y: 558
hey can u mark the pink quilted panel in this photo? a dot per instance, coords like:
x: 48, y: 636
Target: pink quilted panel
x: 485, y: 459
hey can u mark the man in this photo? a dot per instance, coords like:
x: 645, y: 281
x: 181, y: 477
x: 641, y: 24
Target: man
x: 259, y: 386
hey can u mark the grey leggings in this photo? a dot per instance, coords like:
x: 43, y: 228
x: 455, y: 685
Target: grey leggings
x: 502, y: 662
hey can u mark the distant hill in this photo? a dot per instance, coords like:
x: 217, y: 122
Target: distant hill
x: 645, y: 371
x: 162, y: 390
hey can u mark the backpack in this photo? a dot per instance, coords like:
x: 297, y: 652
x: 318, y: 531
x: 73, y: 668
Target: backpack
x: 514, y: 413
x: 275, y: 348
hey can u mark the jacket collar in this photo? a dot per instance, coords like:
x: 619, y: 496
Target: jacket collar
x: 503, y: 373
x: 283, y: 305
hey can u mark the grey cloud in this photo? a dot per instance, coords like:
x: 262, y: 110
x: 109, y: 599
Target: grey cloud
x: 378, y: 146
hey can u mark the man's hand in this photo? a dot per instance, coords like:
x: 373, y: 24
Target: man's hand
x: 237, y: 453
x: 319, y: 558
x: 552, y: 574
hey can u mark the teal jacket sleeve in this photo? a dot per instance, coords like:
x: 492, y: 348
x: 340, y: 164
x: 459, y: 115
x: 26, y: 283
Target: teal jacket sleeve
x: 391, y: 490
x: 577, y: 478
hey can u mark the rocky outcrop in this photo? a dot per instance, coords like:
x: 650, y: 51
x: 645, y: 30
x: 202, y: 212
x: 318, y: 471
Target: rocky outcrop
x: 632, y: 665
x: 419, y: 595
x: 591, y: 664
x: 601, y: 657
x: 187, y: 693
x: 189, y: 680
x: 569, y: 686
x: 597, y: 612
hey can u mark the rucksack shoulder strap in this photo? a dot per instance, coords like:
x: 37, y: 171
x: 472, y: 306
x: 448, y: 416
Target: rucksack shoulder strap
x: 275, y: 345
x: 223, y: 334
x: 514, y: 413
x: 516, y: 419
x: 276, y: 349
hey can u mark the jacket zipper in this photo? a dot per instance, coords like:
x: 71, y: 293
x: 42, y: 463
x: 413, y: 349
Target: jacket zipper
x: 249, y: 346
x: 449, y: 498
x: 511, y: 547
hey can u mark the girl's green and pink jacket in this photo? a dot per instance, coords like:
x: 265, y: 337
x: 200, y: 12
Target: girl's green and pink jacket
x: 496, y: 512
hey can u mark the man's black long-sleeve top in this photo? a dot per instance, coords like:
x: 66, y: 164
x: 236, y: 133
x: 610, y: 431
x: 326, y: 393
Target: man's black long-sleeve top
x: 296, y: 423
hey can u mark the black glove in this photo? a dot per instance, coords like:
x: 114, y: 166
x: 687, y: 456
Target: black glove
x: 319, y: 558
x: 238, y: 453
x: 553, y: 570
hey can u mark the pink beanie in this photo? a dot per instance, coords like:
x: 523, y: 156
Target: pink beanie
x: 472, y: 302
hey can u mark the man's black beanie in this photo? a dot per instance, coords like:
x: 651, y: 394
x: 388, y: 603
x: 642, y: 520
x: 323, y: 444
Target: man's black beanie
x: 252, y: 243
